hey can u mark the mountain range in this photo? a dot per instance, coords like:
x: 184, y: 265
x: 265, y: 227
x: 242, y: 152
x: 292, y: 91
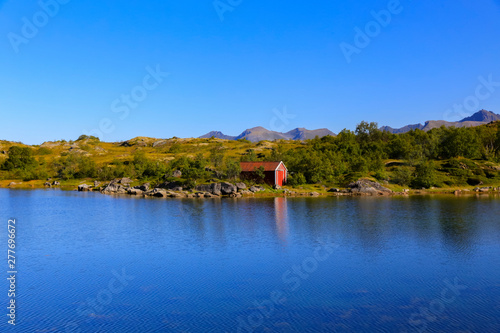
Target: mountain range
x: 259, y: 133
x: 479, y: 118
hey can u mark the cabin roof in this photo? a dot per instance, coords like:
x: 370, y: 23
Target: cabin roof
x: 251, y: 166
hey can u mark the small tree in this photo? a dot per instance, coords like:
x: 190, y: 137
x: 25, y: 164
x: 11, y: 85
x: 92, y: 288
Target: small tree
x: 217, y: 155
x: 260, y: 174
x: 403, y: 176
x: 20, y: 159
x: 425, y: 175
x: 296, y: 179
x: 250, y: 156
x: 233, y: 169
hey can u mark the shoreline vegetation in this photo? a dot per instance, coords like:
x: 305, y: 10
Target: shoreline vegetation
x: 260, y: 191
x: 366, y: 161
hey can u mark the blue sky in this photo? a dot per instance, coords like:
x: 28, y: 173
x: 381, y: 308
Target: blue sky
x: 73, y: 74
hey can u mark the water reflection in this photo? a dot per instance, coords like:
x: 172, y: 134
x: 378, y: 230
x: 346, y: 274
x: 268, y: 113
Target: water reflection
x: 281, y: 218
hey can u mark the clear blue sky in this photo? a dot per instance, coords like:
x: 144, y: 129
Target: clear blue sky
x: 229, y: 75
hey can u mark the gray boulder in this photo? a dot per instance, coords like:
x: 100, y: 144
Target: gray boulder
x: 177, y: 174
x: 228, y: 188
x: 135, y: 191
x: 203, y: 188
x: 368, y: 187
x: 246, y: 192
x: 214, y: 188
x: 159, y: 193
x: 47, y: 184
x: 84, y: 188
x: 149, y: 193
x: 240, y: 186
x: 254, y: 189
x: 174, y: 195
x: 114, y: 188
x: 123, y: 181
x: 144, y: 187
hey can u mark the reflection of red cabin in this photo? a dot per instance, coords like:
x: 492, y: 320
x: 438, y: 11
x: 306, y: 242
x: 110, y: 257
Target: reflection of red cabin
x: 275, y: 172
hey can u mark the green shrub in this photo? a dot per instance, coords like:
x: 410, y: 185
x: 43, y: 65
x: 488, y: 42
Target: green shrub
x: 20, y: 158
x: 43, y: 151
x: 296, y: 179
x: 403, y: 175
x: 425, y: 175
x: 381, y: 175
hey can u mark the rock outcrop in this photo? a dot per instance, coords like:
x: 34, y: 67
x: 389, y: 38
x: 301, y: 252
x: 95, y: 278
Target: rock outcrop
x: 228, y: 188
x: 368, y: 187
x: 240, y: 186
x: 256, y: 188
x: 144, y: 187
x: 214, y: 188
x: 84, y: 188
x: 113, y: 187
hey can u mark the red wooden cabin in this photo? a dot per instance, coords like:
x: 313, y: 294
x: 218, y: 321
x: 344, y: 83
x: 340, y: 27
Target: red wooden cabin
x: 275, y: 172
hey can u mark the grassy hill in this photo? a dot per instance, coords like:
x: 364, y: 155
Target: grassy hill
x: 442, y: 158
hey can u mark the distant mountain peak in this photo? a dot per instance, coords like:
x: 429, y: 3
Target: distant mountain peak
x: 479, y: 118
x: 260, y: 133
x: 217, y: 135
x: 482, y: 115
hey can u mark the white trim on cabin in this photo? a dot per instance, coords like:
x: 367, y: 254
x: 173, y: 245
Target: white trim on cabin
x: 276, y: 172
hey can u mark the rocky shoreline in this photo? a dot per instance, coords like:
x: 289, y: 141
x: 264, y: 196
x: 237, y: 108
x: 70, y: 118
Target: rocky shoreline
x: 362, y: 187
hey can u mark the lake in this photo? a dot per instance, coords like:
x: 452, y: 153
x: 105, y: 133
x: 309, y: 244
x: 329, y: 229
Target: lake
x: 88, y: 262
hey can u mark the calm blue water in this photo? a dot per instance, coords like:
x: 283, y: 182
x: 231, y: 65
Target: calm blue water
x: 94, y: 263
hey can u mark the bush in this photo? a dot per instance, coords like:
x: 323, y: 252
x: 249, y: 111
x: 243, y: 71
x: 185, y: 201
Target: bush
x: 85, y: 137
x: 296, y: 179
x: 43, y: 151
x: 403, y: 175
x: 425, y: 175
x: 233, y: 169
x: 73, y: 166
x: 381, y: 175
x: 175, y: 148
x: 19, y: 158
